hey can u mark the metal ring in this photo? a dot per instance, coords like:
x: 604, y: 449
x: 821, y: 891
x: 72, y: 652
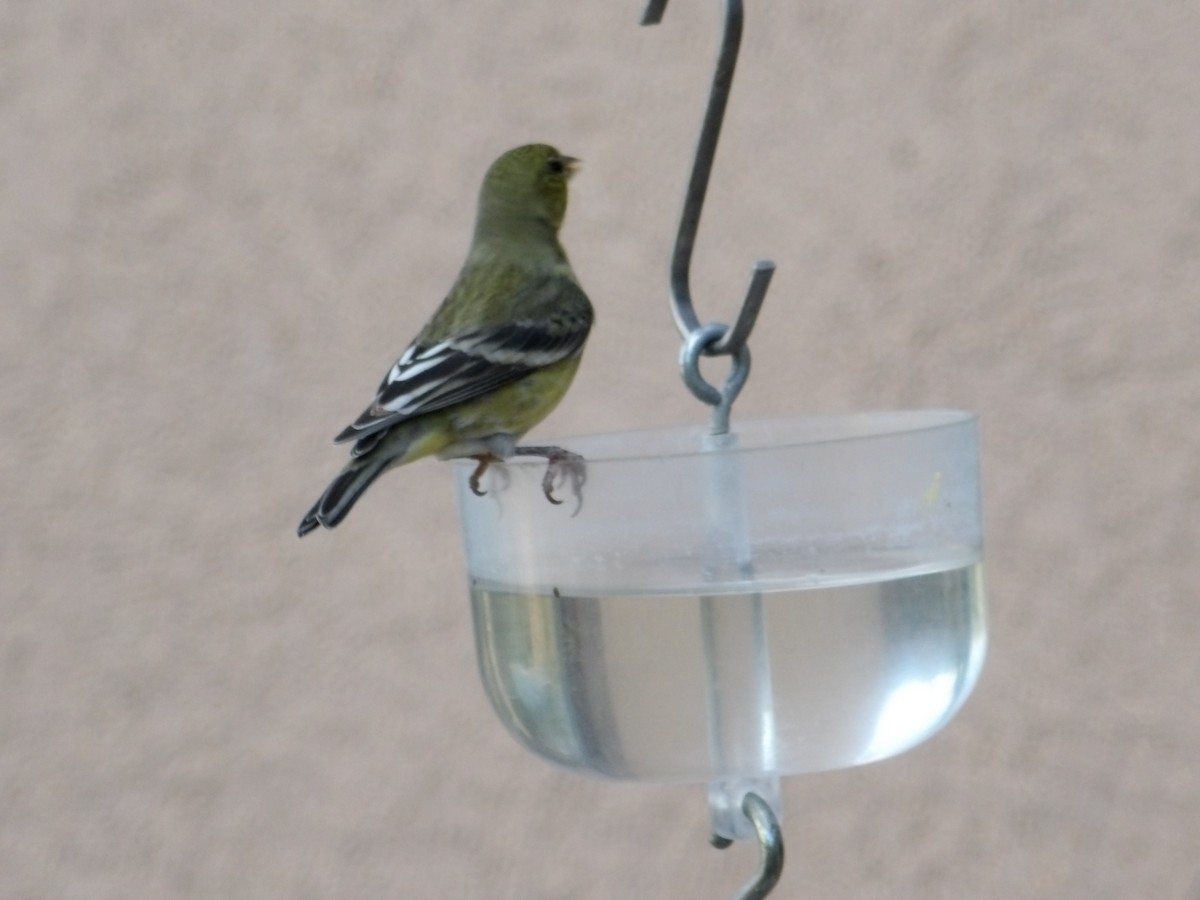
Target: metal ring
x: 700, y: 342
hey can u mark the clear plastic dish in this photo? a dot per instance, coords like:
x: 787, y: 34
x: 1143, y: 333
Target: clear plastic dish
x: 799, y: 595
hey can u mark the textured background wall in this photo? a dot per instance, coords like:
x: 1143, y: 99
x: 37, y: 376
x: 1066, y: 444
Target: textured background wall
x: 220, y: 222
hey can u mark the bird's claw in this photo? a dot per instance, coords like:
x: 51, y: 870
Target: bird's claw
x: 565, y: 466
x: 561, y: 466
x: 473, y: 481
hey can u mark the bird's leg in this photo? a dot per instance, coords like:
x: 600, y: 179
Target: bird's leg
x: 484, y: 460
x: 562, y: 464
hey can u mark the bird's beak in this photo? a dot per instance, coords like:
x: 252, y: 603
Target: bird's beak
x: 570, y: 165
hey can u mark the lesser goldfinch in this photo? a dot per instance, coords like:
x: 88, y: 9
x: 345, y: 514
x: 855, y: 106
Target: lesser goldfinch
x: 498, y: 354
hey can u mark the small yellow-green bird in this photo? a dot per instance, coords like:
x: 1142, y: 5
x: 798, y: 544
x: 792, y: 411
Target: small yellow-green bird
x: 497, y: 356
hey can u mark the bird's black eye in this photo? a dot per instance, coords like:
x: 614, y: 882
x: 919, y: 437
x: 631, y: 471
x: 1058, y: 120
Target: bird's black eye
x: 557, y: 166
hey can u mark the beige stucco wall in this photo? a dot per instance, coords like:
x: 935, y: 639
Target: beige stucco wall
x: 220, y: 222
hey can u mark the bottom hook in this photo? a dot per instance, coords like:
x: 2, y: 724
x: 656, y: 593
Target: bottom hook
x: 770, y: 844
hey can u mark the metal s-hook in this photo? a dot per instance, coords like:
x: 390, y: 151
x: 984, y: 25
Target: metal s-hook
x: 718, y: 340
x: 770, y: 844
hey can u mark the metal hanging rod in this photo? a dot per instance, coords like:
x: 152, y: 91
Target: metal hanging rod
x: 720, y: 340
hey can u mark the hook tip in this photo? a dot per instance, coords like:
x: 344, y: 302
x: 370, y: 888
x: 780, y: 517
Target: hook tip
x: 654, y: 12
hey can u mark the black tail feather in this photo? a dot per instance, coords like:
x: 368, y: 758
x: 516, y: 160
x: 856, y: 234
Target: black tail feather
x: 342, y: 494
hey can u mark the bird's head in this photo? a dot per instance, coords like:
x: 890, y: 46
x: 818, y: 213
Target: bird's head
x: 527, y: 184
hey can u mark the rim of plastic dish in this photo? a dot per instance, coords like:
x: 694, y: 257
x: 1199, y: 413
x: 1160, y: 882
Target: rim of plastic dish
x: 748, y: 435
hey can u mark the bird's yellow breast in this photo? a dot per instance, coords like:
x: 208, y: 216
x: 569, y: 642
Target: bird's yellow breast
x: 517, y: 407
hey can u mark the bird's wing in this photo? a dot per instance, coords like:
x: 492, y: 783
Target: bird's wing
x: 468, y: 365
